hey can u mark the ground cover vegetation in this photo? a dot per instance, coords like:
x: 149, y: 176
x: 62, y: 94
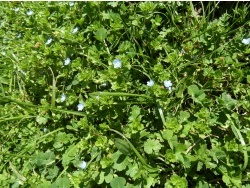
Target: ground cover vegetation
x: 124, y: 94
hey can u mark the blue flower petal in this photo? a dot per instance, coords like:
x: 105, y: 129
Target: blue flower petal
x: 83, y: 165
x: 80, y: 106
x: 67, y: 61
x: 168, y: 84
x: 246, y: 41
x: 150, y: 83
x: 63, y: 98
x: 117, y: 63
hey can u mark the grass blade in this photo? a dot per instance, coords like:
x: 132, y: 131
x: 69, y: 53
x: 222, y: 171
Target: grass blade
x: 118, y: 94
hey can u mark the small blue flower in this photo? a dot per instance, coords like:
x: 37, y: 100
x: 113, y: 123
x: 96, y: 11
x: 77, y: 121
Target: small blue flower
x: 182, y: 51
x: 19, y: 35
x: 117, y: 63
x: 75, y: 30
x: 44, y: 129
x: 71, y: 4
x: 246, y: 41
x: 16, y: 9
x: 168, y: 84
x: 63, y: 98
x: 22, y: 72
x: 29, y: 13
x: 104, y: 84
x: 80, y: 106
x: 67, y: 61
x: 83, y: 165
x: 150, y: 83
x: 49, y: 41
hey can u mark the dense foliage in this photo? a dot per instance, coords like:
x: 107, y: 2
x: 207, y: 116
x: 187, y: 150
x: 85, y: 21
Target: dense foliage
x: 124, y: 94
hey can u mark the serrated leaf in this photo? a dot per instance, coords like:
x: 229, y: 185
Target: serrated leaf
x: 135, y: 113
x: 41, y: 120
x: 150, y: 181
x: 176, y: 181
x: 53, y: 173
x: 113, y: 4
x: 132, y: 171
x: 69, y: 155
x: 151, y: 146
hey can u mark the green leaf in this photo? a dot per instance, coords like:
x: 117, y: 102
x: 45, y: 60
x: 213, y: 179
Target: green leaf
x: 53, y: 173
x: 100, y: 178
x: 113, y: 4
x: 196, y: 94
x: 228, y: 101
x: 135, y: 113
x: 167, y: 134
x: 108, y: 176
x: 176, y: 181
x: 61, y: 183
x: 118, y: 182
x: 248, y: 79
x: 120, y: 161
x: 123, y: 146
x: 45, y: 184
x: 61, y: 139
x: 132, y: 170
x: 184, y: 115
x: 150, y: 181
x: 101, y: 34
x: 69, y: 155
x: 151, y: 146
x: 44, y: 158
x: 41, y: 120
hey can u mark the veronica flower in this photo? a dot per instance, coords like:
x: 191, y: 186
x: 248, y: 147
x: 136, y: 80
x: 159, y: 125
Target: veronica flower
x: 63, y: 98
x: 22, y: 72
x: 182, y: 51
x: 71, y: 4
x: 168, y: 84
x: 246, y: 41
x: 104, y: 84
x: 75, y: 30
x: 80, y: 106
x: 49, y: 41
x: 67, y: 61
x: 150, y: 83
x: 117, y: 63
x: 16, y: 9
x: 83, y: 165
x: 44, y: 129
x: 19, y: 35
x: 29, y: 13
